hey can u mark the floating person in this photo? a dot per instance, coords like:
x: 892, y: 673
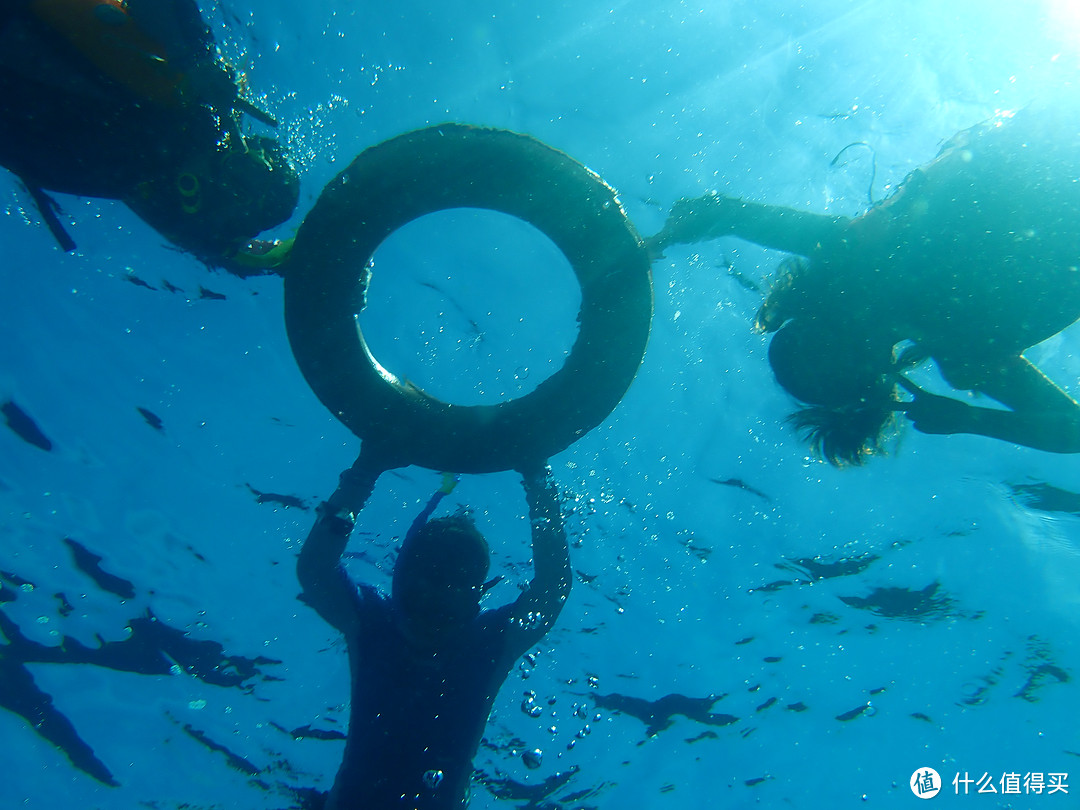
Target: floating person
x: 426, y: 662
x: 132, y: 101
x: 971, y: 262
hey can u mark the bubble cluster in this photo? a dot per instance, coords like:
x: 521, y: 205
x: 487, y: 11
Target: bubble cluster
x: 529, y: 705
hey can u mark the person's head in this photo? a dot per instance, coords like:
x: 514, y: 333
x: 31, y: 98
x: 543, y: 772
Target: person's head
x: 791, y: 294
x: 846, y: 381
x: 219, y: 198
x: 439, y: 575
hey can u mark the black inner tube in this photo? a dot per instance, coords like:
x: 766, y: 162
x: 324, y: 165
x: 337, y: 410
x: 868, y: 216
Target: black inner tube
x: 457, y: 166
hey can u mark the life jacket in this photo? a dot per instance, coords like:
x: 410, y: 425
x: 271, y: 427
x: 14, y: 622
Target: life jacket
x: 104, y: 32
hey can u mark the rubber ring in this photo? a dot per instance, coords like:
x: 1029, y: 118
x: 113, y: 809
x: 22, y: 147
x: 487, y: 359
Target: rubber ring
x: 457, y: 166
x: 187, y: 184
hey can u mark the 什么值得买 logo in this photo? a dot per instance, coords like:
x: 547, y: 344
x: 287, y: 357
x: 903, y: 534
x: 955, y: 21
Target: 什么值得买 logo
x: 926, y: 783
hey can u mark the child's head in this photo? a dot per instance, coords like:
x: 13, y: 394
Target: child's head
x: 440, y: 573
x: 846, y: 382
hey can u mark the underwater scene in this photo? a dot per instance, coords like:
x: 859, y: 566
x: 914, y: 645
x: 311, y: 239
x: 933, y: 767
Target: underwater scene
x: 649, y: 404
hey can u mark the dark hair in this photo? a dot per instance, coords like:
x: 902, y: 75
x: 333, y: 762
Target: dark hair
x: 847, y: 435
x: 451, y: 544
x: 832, y: 363
x: 788, y: 294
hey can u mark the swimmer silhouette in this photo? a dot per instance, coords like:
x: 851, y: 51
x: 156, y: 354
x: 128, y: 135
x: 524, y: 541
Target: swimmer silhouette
x: 426, y: 662
x: 970, y: 263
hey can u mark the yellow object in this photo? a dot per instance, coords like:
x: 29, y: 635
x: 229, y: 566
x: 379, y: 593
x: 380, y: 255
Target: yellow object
x: 189, y: 187
x: 449, y: 481
x: 270, y: 259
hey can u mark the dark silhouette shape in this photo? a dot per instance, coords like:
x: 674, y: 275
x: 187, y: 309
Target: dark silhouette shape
x: 138, y: 282
x: 853, y: 713
x: 24, y: 427
x: 288, y: 501
x: 426, y: 662
x: 904, y: 603
x: 23, y: 697
x: 307, y: 732
x: 151, y: 649
x: 135, y: 103
x: 234, y: 760
x: 210, y: 295
x: 152, y: 419
x: 817, y: 568
x: 88, y: 562
x: 970, y: 263
x: 505, y: 788
x: 658, y: 715
x: 1047, y: 498
x: 738, y: 483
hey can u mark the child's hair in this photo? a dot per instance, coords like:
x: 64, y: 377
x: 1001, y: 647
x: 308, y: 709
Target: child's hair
x: 848, y: 390
x: 845, y: 378
x: 450, y: 543
x: 788, y: 294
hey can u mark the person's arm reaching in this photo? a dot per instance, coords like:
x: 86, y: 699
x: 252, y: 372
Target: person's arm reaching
x: 449, y: 481
x: 539, y: 606
x: 325, y: 585
x: 1042, y: 416
x: 714, y: 215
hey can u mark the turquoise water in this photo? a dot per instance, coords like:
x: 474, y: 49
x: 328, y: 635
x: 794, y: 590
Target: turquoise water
x: 857, y: 624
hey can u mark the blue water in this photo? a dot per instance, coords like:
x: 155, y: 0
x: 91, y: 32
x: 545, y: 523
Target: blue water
x: 663, y: 99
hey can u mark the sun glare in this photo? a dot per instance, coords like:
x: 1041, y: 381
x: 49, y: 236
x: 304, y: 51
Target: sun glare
x: 1063, y: 22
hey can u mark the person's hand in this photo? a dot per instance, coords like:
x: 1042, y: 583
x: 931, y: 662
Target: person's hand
x: 355, y: 483
x: 938, y: 415
x: 533, y: 471
x: 259, y: 257
x: 352, y: 491
x: 656, y: 245
x: 381, y: 455
x: 694, y: 219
